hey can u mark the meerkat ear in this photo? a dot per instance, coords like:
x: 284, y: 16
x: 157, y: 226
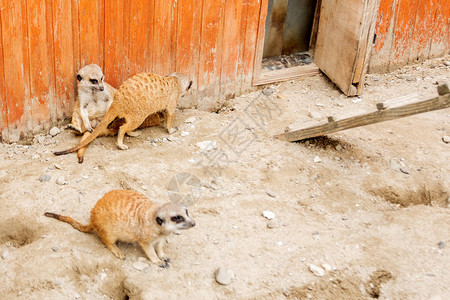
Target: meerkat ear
x: 159, y: 221
x: 79, y: 78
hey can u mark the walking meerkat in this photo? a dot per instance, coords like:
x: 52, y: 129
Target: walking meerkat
x: 137, y: 98
x: 131, y: 217
x: 94, y: 97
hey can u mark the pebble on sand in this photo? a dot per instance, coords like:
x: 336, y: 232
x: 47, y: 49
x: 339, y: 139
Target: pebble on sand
x: 268, y: 215
x: 318, y: 271
x: 223, y: 276
x: 55, y: 131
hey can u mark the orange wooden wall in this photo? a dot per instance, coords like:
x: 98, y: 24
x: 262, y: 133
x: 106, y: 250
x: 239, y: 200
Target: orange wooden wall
x: 409, y: 31
x: 43, y: 43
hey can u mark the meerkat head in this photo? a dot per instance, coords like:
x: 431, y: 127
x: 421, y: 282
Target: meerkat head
x: 90, y: 78
x: 173, y: 218
x: 183, y: 80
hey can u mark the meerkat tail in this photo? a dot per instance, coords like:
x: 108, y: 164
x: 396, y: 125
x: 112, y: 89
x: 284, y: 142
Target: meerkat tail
x: 107, y: 119
x: 81, y: 151
x: 75, y: 224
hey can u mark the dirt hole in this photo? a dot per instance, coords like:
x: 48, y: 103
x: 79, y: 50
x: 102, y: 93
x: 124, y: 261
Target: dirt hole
x: 341, y: 286
x: 19, y: 232
x: 433, y: 195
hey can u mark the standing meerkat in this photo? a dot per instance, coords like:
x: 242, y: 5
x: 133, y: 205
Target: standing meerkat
x: 137, y: 98
x: 94, y: 97
x: 131, y: 217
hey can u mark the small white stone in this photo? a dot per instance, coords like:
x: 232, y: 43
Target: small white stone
x: 103, y: 275
x: 223, y: 276
x: 207, y: 145
x: 77, y: 296
x: 144, y: 187
x: 280, y: 243
x: 5, y: 254
x: 61, y: 181
x: 446, y: 139
x: 327, y: 267
x: 57, y: 166
x: 191, y: 120
x: 140, y: 266
x: 55, y: 131
x: 268, y: 215
x: 184, y: 133
x: 318, y: 271
x: 317, y: 159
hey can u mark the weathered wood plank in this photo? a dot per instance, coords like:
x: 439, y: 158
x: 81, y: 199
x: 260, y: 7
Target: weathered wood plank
x: 40, y: 70
x: 403, y: 32
x: 423, y: 30
x: 338, y: 41
x: 115, y: 50
x: 399, y: 101
x: 14, y: 30
x: 140, y: 23
x: 440, y: 43
x: 210, y: 53
x: 3, y: 103
x: 63, y: 40
x: 257, y: 65
x: 91, y: 38
x: 231, y: 47
x: 189, y: 40
x: 165, y: 35
x: 300, y: 132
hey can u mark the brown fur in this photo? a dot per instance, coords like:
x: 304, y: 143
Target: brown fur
x: 131, y: 217
x: 152, y: 120
x: 137, y: 98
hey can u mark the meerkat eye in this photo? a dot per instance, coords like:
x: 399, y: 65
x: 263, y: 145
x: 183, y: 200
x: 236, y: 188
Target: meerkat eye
x: 177, y: 219
x: 94, y: 81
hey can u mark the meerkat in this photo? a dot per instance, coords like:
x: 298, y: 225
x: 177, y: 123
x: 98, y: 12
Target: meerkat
x: 137, y: 98
x: 131, y: 217
x: 94, y: 97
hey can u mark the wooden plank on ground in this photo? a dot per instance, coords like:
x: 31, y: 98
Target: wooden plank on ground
x: 334, y: 124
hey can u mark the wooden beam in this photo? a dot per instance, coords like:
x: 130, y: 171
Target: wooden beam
x: 388, y: 112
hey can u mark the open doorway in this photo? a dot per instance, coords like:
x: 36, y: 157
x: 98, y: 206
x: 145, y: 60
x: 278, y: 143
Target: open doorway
x: 288, y: 34
x: 335, y: 36
x: 286, y: 46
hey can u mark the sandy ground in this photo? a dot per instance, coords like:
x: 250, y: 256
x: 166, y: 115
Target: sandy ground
x: 369, y: 206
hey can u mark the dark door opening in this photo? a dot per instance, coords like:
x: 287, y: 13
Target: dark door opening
x: 288, y: 29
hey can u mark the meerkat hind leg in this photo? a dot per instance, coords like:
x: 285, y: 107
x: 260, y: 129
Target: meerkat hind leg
x: 111, y: 245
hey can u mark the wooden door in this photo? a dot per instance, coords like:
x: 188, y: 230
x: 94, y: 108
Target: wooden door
x: 344, y: 40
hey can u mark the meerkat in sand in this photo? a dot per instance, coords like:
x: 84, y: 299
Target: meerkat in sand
x: 137, y: 98
x: 131, y: 217
x: 94, y: 97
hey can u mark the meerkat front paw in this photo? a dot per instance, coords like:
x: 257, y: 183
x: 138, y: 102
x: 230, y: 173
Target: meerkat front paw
x: 123, y: 147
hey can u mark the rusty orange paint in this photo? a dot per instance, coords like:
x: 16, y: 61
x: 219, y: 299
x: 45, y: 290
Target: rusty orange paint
x: 423, y: 29
x: 3, y: 104
x: 90, y: 32
x: 385, y: 22
x: 63, y: 58
x: 40, y: 70
x: 441, y: 29
x: 16, y: 85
